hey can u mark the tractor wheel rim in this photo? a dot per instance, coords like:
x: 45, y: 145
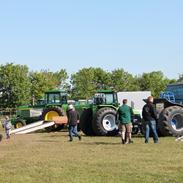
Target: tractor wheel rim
x: 177, y: 122
x: 49, y: 115
x: 19, y: 125
x: 109, y: 122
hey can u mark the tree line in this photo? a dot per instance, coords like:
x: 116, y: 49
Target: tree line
x: 19, y: 85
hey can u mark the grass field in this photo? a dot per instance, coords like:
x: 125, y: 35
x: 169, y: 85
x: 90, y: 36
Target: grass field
x: 50, y: 158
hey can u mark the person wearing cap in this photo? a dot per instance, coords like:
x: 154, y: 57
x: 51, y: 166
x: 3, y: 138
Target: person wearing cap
x: 125, y: 125
x: 150, y: 118
x: 7, y: 126
x: 73, y: 120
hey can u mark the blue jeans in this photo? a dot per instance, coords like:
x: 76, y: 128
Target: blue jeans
x: 151, y: 125
x: 73, y: 131
x: 8, y: 133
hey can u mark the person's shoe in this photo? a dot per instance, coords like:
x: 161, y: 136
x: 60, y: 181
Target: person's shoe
x: 70, y: 140
x: 79, y: 138
x: 146, y: 141
x: 1, y: 137
x: 156, y: 142
x: 123, y: 141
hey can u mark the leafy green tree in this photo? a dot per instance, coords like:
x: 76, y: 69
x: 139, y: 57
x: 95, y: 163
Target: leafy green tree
x: 102, y: 79
x: 123, y: 81
x: 14, y: 85
x: 87, y: 80
x: 154, y: 81
x: 180, y: 79
x: 46, y: 80
x: 83, y: 85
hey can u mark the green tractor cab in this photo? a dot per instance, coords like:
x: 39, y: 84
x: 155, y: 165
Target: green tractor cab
x: 106, y: 97
x: 55, y: 104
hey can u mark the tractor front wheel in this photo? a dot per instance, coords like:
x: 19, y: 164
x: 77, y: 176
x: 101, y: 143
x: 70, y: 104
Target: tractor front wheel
x: 19, y: 123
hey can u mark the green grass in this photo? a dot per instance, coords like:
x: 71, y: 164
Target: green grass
x: 50, y: 158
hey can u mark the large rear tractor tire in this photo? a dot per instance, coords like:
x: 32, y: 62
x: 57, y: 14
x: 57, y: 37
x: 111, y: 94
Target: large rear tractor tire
x: 86, y: 122
x: 48, y: 115
x: 171, y: 121
x: 104, y: 122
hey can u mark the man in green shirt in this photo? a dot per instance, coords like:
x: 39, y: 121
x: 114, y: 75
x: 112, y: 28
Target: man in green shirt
x: 125, y: 125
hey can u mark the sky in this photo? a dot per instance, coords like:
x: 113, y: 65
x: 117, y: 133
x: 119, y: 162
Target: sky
x: 138, y: 36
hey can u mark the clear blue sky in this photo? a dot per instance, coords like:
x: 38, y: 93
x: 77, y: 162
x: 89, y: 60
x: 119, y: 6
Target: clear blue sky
x: 137, y: 35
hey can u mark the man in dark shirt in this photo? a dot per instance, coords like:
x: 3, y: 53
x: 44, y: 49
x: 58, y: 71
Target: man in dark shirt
x: 73, y: 120
x: 150, y: 118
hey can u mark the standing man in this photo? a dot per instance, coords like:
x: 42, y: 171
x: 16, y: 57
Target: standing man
x: 73, y: 119
x: 125, y: 112
x: 150, y: 118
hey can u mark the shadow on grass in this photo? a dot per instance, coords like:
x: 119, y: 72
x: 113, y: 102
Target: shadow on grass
x: 101, y: 143
x: 57, y: 135
x: 49, y: 141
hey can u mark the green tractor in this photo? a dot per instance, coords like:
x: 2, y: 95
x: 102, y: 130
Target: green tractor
x: 99, y: 118
x: 54, y: 104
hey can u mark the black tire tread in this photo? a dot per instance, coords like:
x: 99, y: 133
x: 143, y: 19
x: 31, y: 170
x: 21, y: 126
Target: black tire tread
x: 163, y: 122
x: 96, y: 123
x: 86, y: 122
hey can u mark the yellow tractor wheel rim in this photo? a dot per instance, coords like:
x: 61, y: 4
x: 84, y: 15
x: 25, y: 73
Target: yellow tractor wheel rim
x: 19, y: 125
x: 49, y: 115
